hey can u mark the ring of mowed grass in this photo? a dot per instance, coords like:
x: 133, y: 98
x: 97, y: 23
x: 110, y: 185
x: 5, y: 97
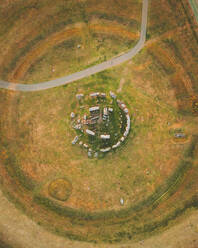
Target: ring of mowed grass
x: 132, y: 192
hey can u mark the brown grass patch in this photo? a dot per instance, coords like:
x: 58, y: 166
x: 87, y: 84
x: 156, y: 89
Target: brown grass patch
x: 60, y: 189
x: 66, y: 34
x: 114, y: 30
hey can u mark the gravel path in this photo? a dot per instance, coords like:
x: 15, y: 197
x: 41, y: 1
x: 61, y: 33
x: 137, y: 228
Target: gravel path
x: 89, y: 71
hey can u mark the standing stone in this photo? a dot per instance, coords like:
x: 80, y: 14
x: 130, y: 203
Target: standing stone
x: 121, y: 201
x: 72, y: 115
x: 79, y: 96
x: 112, y: 95
x: 96, y: 155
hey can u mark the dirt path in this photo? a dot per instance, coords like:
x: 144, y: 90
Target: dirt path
x: 89, y: 71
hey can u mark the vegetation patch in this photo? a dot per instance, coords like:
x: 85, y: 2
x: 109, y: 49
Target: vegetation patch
x: 60, y: 189
x: 76, y: 22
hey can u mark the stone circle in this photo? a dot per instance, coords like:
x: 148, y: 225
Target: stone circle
x: 102, y: 124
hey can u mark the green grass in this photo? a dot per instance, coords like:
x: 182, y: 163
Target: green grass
x: 155, y: 177
x: 61, y: 96
x: 64, y: 15
x: 80, y: 217
x: 194, y: 5
x: 166, y: 190
x: 15, y: 172
x: 67, y: 59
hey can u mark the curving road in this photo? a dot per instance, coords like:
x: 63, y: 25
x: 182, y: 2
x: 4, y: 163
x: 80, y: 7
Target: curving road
x: 89, y: 71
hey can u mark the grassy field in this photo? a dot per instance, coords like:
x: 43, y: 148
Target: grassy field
x: 156, y: 177
x: 81, y: 34
x: 194, y: 5
x: 43, y: 152
x: 53, y: 145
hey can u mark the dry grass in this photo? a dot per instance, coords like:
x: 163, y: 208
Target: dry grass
x: 60, y: 189
x: 40, y: 32
x: 159, y: 87
x: 77, y: 32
